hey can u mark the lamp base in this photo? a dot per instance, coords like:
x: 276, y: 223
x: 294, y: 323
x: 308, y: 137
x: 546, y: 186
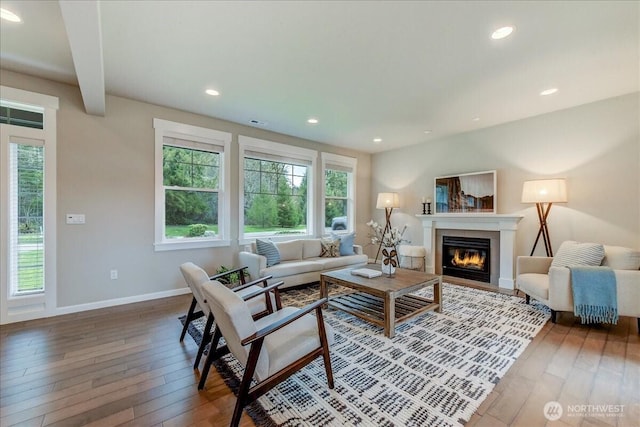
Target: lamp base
x: 543, y: 213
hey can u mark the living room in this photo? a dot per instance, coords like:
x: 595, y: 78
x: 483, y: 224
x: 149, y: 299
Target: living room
x: 106, y: 166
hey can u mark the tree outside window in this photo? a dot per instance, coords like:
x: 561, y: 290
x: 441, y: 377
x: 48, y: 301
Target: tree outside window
x: 339, y: 192
x: 28, y: 191
x: 275, y: 197
x: 190, y: 179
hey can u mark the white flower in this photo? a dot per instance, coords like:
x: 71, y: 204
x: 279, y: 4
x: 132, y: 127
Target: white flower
x: 392, y: 237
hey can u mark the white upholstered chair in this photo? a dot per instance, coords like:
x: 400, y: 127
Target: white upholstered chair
x: 196, y: 277
x: 197, y: 301
x: 550, y: 284
x: 271, y: 348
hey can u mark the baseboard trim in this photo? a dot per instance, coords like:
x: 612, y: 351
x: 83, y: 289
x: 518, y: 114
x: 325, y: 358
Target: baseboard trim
x: 29, y: 313
x: 119, y: 301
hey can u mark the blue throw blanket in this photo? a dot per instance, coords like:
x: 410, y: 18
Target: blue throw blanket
x: 594, y: 294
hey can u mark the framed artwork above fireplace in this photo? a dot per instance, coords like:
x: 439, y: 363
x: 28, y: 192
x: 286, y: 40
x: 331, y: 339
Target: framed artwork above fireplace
x: 466, y: 193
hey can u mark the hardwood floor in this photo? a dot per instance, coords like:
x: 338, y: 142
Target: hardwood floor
x: 124, y: 366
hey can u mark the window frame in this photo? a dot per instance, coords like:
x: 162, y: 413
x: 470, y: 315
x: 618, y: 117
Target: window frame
x: 199, y: 136
x: 339, y: 163
x: 29, y: 305
x: 286, y: 153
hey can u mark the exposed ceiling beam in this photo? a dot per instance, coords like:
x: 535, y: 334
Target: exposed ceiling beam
x: 82, y: 22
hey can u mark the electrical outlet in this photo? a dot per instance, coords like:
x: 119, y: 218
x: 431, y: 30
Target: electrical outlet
x: 114, y: 274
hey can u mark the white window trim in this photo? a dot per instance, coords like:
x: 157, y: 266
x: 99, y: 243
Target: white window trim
x: 346, y: 162
x: 247, y: 143
x: 203, y: 135
x: 26, y: 307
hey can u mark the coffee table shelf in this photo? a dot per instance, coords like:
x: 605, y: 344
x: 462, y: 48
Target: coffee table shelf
x: 372, y: 307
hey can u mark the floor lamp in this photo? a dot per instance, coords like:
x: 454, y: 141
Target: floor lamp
x: 544, y: 192
x: 386, y: 201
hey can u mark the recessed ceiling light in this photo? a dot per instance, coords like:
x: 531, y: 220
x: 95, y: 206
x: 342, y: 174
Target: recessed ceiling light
x: 501, y: 33
x: 258, y: 122
x: 9, y: 16
x: 549, y: 91
x: 312, y: 121
x: 377, y: 139
x: 476, y: 119
x: 427, y: 132
x: 212, y: 92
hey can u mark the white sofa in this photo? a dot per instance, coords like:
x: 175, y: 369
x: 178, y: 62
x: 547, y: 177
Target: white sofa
x: 538, y: 279
x: 300, y: 262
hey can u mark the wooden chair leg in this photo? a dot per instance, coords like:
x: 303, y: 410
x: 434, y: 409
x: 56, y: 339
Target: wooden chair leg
x: 213, y: 355
x: 189, y: 318
x: 325, y: 347
x: 243, y: 391
x: 206, y: 338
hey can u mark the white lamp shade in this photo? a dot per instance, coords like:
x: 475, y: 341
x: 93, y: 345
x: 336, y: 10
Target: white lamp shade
x: 544, y: 191
x: 387, y: 200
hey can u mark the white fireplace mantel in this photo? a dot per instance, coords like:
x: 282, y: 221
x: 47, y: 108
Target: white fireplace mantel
x: 506, y: 224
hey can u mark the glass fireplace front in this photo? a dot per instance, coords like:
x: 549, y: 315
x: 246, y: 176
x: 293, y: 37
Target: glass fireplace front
x: 466, y: 257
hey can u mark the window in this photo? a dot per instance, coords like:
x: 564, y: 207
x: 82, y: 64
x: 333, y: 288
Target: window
x: 26, y: 217
x: 27, y: 205
x: 277, y: 189
x: 192, y: 207
x: 338, y: 192
x: 21, y: 116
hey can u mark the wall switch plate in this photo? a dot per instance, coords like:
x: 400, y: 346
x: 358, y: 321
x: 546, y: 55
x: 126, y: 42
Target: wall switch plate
x: 75, y: 218
x: 114, y: 274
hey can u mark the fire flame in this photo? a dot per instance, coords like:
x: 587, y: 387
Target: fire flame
x: 474, y: 260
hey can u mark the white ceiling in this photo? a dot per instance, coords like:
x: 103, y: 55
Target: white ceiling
x: 364, y: 69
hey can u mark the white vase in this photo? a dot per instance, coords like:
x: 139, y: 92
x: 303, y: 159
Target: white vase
x: 389, y: 260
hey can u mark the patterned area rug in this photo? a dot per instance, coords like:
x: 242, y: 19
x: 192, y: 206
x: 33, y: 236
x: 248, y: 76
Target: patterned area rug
x: 437, y: 370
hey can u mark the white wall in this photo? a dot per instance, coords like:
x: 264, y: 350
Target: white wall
x: 596, y: 147
x: 106, y: 171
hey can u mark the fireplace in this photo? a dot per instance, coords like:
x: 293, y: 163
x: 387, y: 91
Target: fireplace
x: 500, y: 228
x: 466, y: 257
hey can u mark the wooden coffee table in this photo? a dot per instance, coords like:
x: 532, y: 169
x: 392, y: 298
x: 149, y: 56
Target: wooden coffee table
x: 384, y: 301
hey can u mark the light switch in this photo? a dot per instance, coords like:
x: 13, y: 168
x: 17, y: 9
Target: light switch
x: 75, y: 218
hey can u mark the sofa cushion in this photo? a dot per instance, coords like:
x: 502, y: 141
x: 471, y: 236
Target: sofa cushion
x: 290, y: 250
x: 289, y: 268
x: 343, y: 261
x: 330, y: 248
x: 576, y: 253
x: 311, y: 248
x: 535, y: 285
x: 268, y: 250
x: 346, y: 243
x: 621, y: 258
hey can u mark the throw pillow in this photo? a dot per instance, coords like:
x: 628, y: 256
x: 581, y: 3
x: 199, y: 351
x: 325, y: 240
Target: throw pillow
x: 290, y: 250
x: 269, y: 250
x: 575, y: 253
x: 346, y: 243
x: 621, y: 258
x: 330, y: 248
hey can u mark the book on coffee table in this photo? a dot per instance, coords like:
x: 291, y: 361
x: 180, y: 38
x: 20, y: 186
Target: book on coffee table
x: 366, y: 272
